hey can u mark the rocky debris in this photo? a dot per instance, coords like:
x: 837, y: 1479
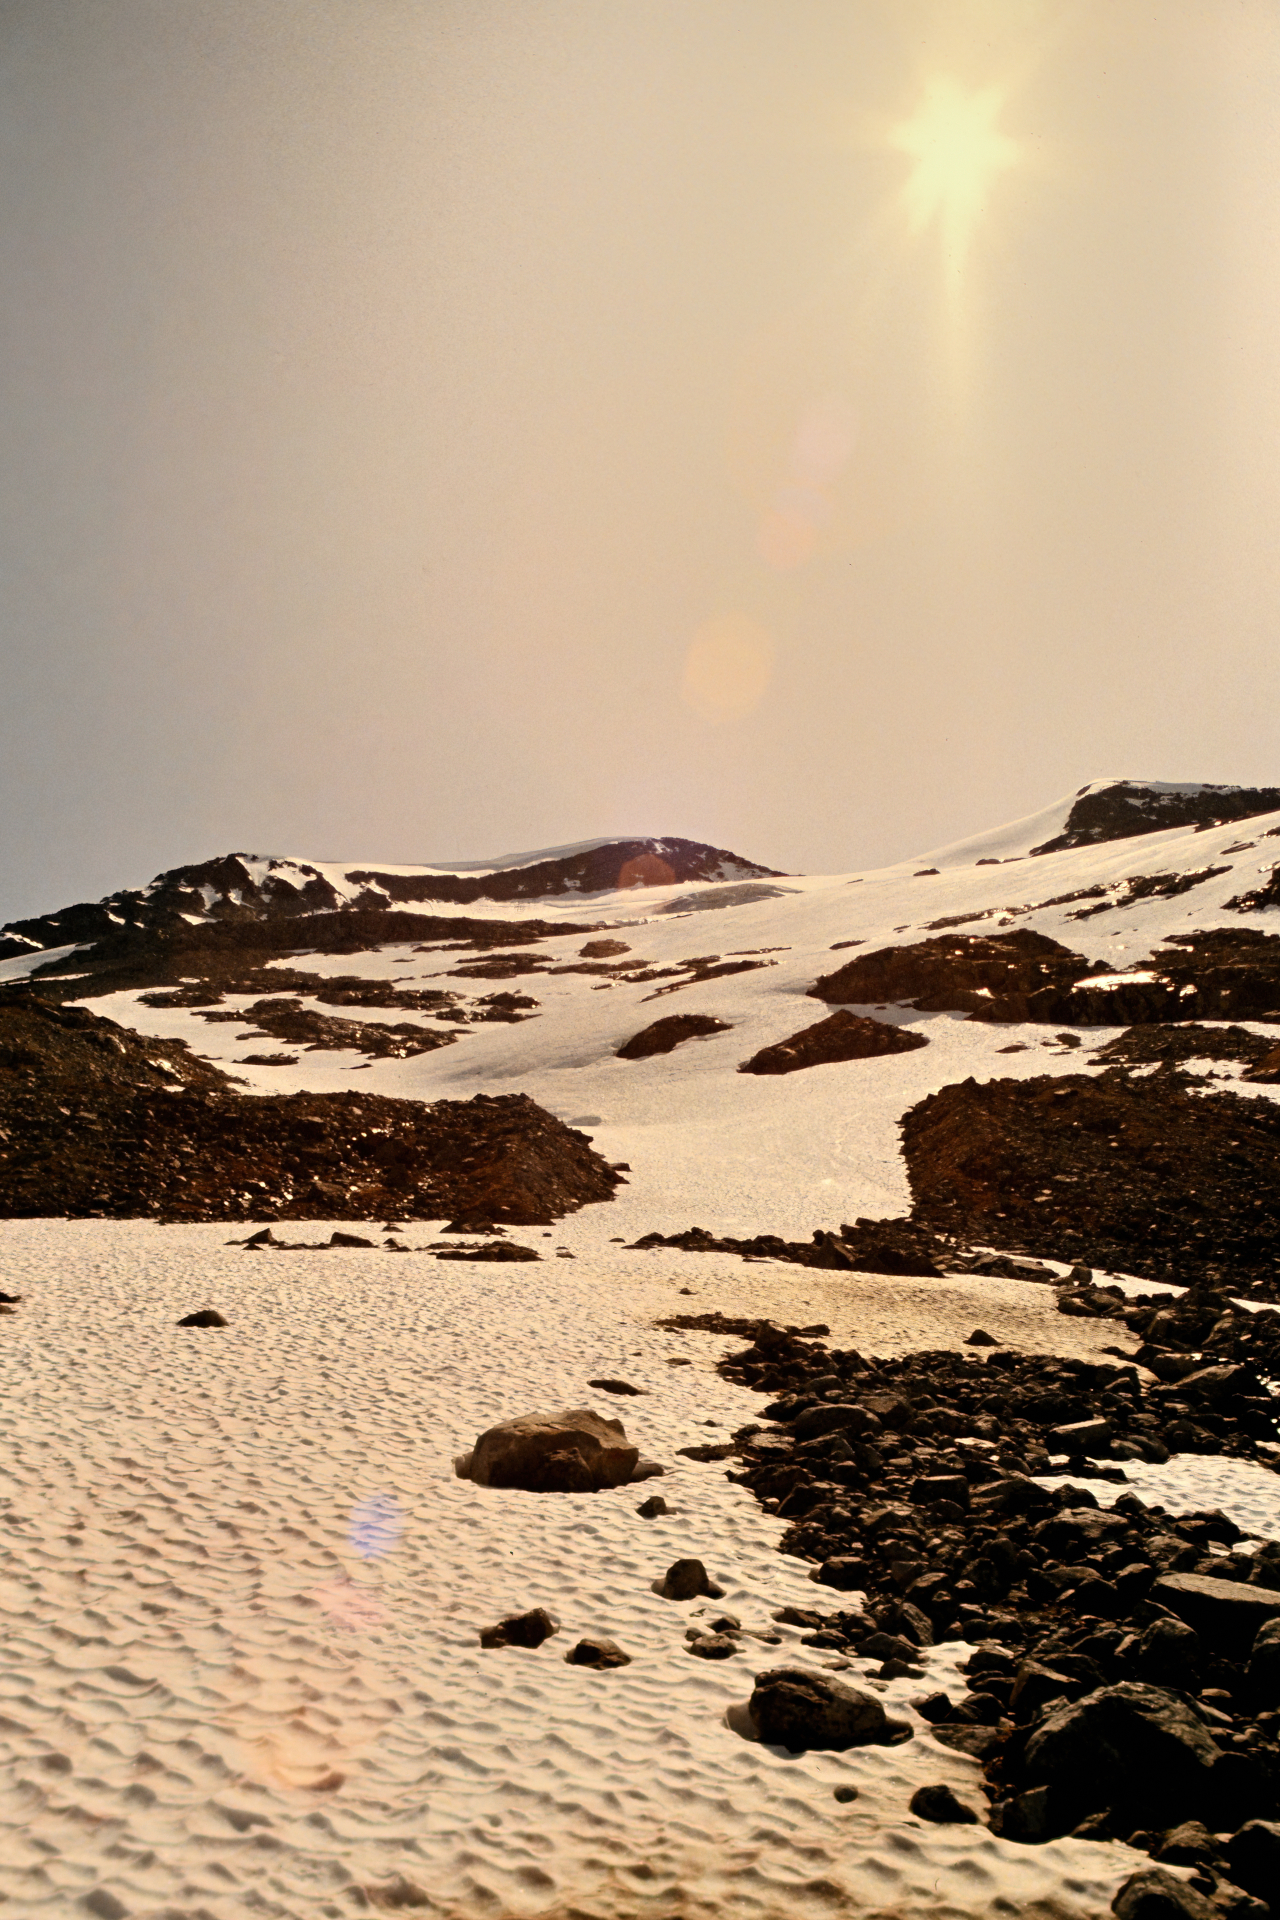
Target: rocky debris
x: 267, y: 1060
x: 521, y: 1629
x: 1123, y: 809
x: 573, y: 1451
x: 688, y: 1580
x: 1144, y: 886
x: 1266, y: 1071
x: 868, y: 1246
x: 1222, y: 973
x: 800, y: 1709
x: 663, y: 1036
x: 653, y: 1507
x: 1140, y: 1174
x: 616, y: 1386
x: 204, y: 1317
x: 939, y: 1804
x: 1094, y: 1708
x: 1258, y: 899
x: 285, y: 1018
x: 603, y: 949
x: 994, y: 976
x: 695, y: 972
x: 841, y: 1036
x: 595, y: 1651
x: 1169, y: 1047
x: 95, y: 1122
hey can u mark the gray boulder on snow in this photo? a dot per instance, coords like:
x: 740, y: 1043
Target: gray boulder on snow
x: 571, y: 1451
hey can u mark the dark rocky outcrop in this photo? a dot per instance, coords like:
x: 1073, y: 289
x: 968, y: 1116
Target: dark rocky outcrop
x: 841, y: 1036
x: 868, y: 1246
x: 96, y: 1121
x: 663, y: 1036
x: 994, y: 976
x: 1126, y: 808
x: 1138, y: 1174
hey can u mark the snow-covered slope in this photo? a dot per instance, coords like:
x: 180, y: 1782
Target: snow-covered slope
x: 707, y: 1145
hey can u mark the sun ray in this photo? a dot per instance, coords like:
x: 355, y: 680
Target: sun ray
x: 957, y: 149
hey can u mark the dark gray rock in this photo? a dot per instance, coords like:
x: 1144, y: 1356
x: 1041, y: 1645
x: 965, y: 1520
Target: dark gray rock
x: 1254, y: 1857
x: 1225, y: 1613
x: 521, y: 1629
x: 1154, y: 1894
x: 688, y: 1580
x: 800, y: 1709
x: 595, y: 1651
x: 939, y: 1804
x: 1132, y: 1746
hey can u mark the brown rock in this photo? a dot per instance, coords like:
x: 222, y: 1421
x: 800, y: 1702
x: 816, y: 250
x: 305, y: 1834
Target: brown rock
x: 842, y: 1036
x: 572, y: 1451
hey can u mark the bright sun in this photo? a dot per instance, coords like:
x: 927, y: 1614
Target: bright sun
x: 958, y: 149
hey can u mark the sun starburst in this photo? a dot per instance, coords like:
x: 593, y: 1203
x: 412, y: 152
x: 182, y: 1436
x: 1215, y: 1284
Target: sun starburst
x: 957, y: 149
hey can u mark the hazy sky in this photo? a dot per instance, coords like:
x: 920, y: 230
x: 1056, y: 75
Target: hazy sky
x: 437, y: 427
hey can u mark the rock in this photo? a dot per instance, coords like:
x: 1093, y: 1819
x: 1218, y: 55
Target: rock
x: 1024, y: 1816
x: 651, y: 1508
x: 978, y: 1338
x: 573, y: 1451
x: 206, y: 1317
x: 841, y: 1036
x: 350, y: 1240
x: 939, y: 1804
x: 1153, y: 1894
x: 665, y: 1035
x: 595, y: 1651
x: 521, y: 1629
x: 930, y: 1488
x: 714, y: 1646
x: 1132, y: 1746
x: 1189, y: 1845
x: 647, y: 1469
x: 834, y: 1417
x: 1167, y: 1654
x: 711, y: 1450
x: 687, y: 1580
x: 1254, y: 1857
x: 1082, y: 1436
x: 615, y: 1386
x: 1264, y: 1665
x: 797, y: 1708
x: 847, y: 1572
x: 844, y: 1794
x: 491, y: 1250
x: 1226, y: 1613
x: 978, y: 1742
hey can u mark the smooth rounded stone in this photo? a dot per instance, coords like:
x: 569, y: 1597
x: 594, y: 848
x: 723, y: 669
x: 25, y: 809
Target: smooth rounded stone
x: 571, y: 1451
x: 521, y: 1629
x: 615, y: 1386
x: 595, y: 1651
x: 800, y: 1709
x: 206, y: 1317
x: 647, y: 1469
x: 935, y: 1707
x: 653, y: 1507
x: 939, y: 1804
x: 1154, y: 1894
x: 714, y: 1646
x: 687, y: 1580
x: 844, y: 1795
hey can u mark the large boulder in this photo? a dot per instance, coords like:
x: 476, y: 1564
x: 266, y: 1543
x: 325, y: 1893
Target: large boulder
x: 1138, y: 1749
x: 1227, y: 1614
x: 842, y: 1036
x: 573, y: 1451
x: 1153, y: 1894
x: 800, y: 1709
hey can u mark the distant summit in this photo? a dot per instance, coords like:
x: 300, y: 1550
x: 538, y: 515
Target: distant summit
x: 1122, y: 809
x: 243, y: 887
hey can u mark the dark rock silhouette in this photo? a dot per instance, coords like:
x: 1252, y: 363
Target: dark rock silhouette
x: 663, y: 1036
x: 842, y: 1036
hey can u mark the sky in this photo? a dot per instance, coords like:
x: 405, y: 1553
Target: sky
x: 432, y: 428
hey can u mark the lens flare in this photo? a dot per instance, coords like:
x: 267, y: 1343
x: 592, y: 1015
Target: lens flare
x: 376, y: 1525
x: 957, y: 150
x: 728, y: 668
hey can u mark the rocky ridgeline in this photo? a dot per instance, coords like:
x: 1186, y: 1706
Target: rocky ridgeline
x: 1023, y: 976
x: 1124, y: 1681
x: 95, y: 1121
x: 1123, y: 809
